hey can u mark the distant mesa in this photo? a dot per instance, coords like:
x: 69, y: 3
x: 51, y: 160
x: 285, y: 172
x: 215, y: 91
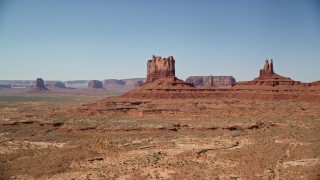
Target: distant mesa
x: 211, y: 81
x: 76, y: 84
x: 123, y: 83
x: 315, y: 83
x: 269, y: 78
x: 5, y: 86
x: 95, y: 84
x: 57, y: 84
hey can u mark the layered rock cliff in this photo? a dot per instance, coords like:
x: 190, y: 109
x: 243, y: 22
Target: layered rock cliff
x: 211, y: 81
x: 159, y: 67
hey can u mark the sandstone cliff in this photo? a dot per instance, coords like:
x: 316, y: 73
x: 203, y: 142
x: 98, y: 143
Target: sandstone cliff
x: 159, y: 67
x: 211, y: 81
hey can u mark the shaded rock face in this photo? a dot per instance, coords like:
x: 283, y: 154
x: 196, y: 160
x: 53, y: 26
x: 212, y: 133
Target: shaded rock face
x: 56, y: 85
x: 95, y: 84
x: 315, y: 83
x: 5, y: 85
x: 159, y: 67
x: 211, y: 81
x: 40, y: 84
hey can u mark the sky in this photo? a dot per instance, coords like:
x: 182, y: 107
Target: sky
x: 113, y: 39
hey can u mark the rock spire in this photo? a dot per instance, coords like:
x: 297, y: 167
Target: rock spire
x: 267, y: 69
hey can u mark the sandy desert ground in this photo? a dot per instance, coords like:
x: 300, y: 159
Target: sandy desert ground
x: 89, y: 136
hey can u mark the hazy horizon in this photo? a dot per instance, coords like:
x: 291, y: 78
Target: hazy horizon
x: 77, y: 39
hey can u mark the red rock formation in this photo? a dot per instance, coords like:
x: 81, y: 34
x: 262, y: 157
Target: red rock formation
x: 95, y: 84
x: 270, y: 78
x: 159, y: 67
x: 160, y: 77
x: 267, y: 69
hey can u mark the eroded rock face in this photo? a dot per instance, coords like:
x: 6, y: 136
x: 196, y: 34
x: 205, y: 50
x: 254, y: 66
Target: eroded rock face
x: 159, y: 67
x: 40, y: 84
x: 211, y: 81
x: 95, y: 84
x: 267, y: 69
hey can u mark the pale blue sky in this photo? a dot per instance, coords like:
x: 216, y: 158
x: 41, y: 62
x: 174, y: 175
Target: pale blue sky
x: 92, y: 39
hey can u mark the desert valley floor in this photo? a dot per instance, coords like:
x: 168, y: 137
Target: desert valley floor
x: 98, y: 136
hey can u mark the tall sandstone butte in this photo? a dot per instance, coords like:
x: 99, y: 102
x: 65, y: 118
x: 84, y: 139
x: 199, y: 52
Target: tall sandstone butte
x: 267, y: 69
x: 270, y: 78
x: 159, y: 67
x: 40, y: 84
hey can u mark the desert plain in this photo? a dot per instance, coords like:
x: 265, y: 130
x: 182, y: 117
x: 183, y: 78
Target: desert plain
x: 166, y: 128
x: 102, y: 136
